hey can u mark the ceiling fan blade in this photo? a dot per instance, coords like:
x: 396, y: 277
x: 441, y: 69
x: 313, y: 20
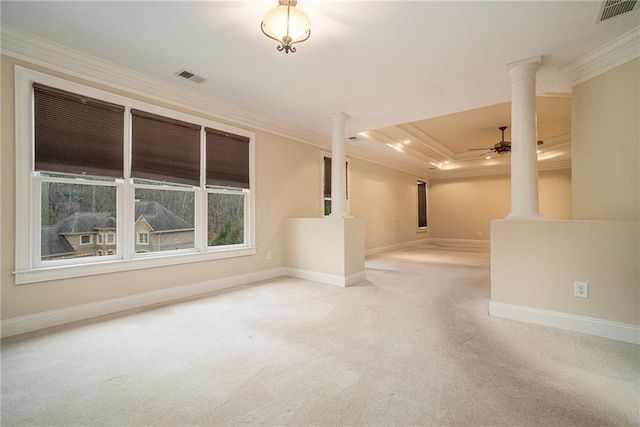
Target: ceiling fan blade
x: 473, y: 149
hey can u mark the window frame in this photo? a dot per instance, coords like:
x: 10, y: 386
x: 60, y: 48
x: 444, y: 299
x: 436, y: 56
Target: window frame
x: 425, y: 183
x: 323, y: 199
x: 29, y: 266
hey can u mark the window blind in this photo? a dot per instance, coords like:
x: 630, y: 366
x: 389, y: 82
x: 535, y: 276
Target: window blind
x: 77, y: 135
x: 422, y: 204
x: 164, y: 149
x: 227, y: 159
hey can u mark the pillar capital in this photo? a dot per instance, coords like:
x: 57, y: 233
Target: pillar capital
x: 338, y: 116
x: 524, y: 69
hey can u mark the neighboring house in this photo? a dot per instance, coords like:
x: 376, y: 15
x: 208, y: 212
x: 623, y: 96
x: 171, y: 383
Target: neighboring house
x: 85, y: 234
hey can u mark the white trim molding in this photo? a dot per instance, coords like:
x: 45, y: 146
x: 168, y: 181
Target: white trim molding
x: 608, y: 56
x: 47, y: 319
x: 459, y: 242
x: 571, y: 322
x: 329, y: 279
x: 383, y: 249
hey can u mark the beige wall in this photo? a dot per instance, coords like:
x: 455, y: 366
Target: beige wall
x: 285, y: 172
x: 534, y: 264
x: 332, y: 246
x: 606, y: 159
x: 387, y: 200
x: 287, y: 186
x: 540, y: 273
x: 463, y: 208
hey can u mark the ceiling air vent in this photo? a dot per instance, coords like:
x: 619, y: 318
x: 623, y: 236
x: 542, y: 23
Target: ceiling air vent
x: 190, y: 76
x: 611, y: 8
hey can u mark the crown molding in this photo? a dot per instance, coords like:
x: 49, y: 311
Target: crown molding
x: 494, y: 170
x: 608, y: 56
x: 38, y: 51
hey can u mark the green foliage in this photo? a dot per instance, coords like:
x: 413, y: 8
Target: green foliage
x: 327, y: 207
x: 229, y: 235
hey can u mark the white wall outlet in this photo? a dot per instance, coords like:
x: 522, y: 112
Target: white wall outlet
x: 581, y: 289
x: 269, y: 255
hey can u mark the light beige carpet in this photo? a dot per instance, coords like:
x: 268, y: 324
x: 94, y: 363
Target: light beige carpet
x: 413, y: 345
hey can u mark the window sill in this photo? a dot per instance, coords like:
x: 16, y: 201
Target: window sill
x: 44, y: 274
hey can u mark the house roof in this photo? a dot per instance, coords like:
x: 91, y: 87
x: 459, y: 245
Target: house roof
x: 86, y: 222
x: 53, y: 243
x: 159, y: 217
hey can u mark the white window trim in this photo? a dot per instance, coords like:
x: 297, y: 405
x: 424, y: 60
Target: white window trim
x: 28, y: 194
x: 247, y: 226
x: 324, y: 154
x: 100, y: 238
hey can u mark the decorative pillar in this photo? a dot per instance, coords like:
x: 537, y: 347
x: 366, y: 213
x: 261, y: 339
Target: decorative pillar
x: 338, y: 170
x: 524, y: 157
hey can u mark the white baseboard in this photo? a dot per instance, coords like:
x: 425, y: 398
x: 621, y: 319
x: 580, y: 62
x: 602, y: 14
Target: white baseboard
x: 461, y: 242
x: 382, y: 249
x: 47, y: 319
x: 329, y: 279
x: 587, y: 325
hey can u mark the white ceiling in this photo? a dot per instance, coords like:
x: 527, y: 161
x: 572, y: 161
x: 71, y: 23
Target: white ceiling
x: 383, y: 63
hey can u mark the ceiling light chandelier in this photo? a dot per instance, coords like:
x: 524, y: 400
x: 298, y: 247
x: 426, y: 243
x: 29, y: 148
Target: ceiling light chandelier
x: 287, y: 25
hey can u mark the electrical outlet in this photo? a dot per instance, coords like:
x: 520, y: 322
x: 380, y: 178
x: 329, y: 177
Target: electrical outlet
x: 269, y: 255
x: 581, y: 289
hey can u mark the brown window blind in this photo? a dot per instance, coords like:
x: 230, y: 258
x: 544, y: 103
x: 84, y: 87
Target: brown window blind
x: 75, y: 134
x: 227, y: 159
x: 327, y: 178
x: 422, y: 204
x: 164, y: 149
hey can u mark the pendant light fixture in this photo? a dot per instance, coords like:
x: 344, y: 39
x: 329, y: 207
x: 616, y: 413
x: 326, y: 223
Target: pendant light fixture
x: 287, y: 25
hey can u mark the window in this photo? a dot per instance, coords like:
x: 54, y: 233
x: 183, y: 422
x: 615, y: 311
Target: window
x: 326, y: 184
x: 91, y: 162
x: 111, y: 238
x: 143, y: 238
x: 227, y: 182
x: 422, y: 205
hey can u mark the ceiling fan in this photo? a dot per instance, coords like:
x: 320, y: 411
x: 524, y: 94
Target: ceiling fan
x: 502, y: 147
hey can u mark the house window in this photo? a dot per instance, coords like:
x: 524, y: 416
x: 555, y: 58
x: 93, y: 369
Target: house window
x: 143, y: 238
x: 111, y: 238
x: 100, y: 253
x: 422, y: 205
x: 326, y: 184
x: 90, y: 160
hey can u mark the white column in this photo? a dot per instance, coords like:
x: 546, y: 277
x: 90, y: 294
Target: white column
x: 338, y: 170
x: 524, y: 158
